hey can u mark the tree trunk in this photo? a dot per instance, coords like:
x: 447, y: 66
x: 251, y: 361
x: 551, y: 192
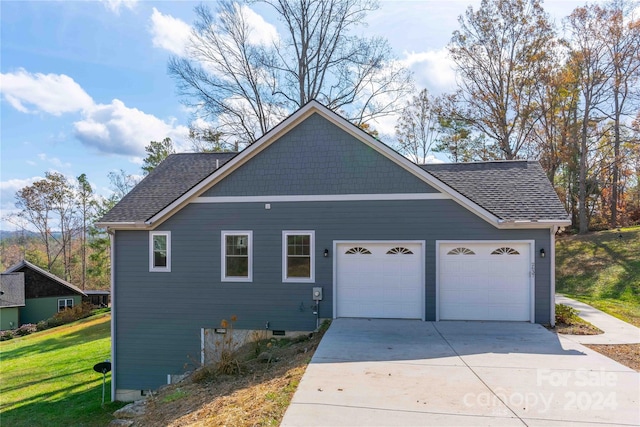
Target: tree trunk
x: 582, y: 178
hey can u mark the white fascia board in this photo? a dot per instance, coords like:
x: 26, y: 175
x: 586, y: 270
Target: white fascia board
x: 539, y: 224
x: 131, y: 225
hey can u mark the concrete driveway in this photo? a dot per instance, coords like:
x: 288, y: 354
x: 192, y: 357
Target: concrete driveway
x: 410, y: 373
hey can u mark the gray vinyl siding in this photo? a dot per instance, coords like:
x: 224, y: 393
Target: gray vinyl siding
x: 318, y: 158
x: 159, y: 315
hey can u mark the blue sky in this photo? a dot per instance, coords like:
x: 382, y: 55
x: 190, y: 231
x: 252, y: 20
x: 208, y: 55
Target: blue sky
x: 84, y: 84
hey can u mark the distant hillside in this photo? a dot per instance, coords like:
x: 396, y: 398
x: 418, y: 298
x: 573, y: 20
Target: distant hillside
x: 603, y: 270
x: 8, y: 235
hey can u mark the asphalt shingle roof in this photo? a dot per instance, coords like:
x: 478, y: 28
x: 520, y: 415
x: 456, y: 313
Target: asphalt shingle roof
x: 12, y: 288
x: 511, y: 190
x: 176, y: 175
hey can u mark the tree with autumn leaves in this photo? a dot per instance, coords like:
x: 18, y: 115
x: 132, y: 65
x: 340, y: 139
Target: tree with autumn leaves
x: 570, y: 102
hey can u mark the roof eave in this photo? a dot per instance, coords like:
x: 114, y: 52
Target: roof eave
x: 540, y: 223
x: 123, y: 225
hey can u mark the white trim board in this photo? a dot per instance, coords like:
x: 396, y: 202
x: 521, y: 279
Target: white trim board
x: 322, y: 198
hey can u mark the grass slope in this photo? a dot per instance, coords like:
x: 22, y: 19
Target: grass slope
x: 47, y: 379
x: 602, y: 269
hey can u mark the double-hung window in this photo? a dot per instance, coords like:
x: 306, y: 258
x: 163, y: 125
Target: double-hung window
x: 237, y: 256
x: 64, y: 303
x: 298, y: 256
x: 160, y: 251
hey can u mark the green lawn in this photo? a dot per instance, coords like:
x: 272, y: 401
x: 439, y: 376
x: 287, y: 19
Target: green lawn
x: 47, y: 379
x: 602, y: 269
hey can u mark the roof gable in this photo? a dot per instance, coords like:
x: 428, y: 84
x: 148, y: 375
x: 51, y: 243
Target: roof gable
x: 318, y: 158
x: 185, y: 182
x: 30, y: 269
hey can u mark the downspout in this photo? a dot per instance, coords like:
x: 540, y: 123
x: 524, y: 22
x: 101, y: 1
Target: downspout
x: 552, y: 273
x: 112, y: 239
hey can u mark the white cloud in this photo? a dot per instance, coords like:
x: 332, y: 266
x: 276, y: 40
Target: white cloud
x: 52, y: 93
x: 111, y: 128
x: 8, y: 191
x: 433, y: 69
x: 116, y: 128
x: 169, y: 33
x: 262, y: 33
x: 53, y: 161
x: 115, y: 5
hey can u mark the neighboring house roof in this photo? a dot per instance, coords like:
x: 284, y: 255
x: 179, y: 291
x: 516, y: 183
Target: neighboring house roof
x: 182, y: 177
x: 511, y: 190
x: 173, y: 177
x: 12, y: 290
x: 27, y: 264
x: 96, y: 292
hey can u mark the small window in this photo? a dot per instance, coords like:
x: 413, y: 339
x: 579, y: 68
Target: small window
x: 399, y: 250
x: 298, y: 256
x: 160, y: 251
x: 237, y: 256
x: 65, y: 303
x: 505, y: 251
x: 358, y: 250
x: 461, y: 251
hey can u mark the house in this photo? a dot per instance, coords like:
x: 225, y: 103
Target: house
x: 319, y: 219
x: 98, y: 297
x: 11, y: 299
x: 44, y: 293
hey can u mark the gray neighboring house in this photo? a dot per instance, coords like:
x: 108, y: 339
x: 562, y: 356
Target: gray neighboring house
x: 11, y: 299
x: 319, y: 209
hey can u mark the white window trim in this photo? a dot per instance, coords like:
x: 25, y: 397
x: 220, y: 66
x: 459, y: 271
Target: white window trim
x: 65, y: 303
x: 153, y: 268
x: 223, y: 255
x: 312, y: 253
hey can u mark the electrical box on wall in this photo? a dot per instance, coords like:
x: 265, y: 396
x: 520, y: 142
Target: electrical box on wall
x: 317, y: 294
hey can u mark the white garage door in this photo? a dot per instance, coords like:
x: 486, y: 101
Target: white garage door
x: 379, y: 280
x: 485, y: 281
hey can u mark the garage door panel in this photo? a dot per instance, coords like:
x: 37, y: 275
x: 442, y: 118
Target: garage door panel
x: 386, y: 282
x: 485, y: 281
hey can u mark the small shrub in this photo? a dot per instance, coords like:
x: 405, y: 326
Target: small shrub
x: 42, y: 325
x: 75, y: 313
x: 26, y: 329
x: 6, y: 335
x: 227, y: 363
x: 565, y: 314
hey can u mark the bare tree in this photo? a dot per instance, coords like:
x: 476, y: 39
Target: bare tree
x: 121, y: 183
x: 590, y: 61
x: 418, y: 127
x: 86, y: 204
x: 227, y: 76
x: 49, y: 203
x: 499, y: 51
x: 248, y: 85
x: 622, y: 40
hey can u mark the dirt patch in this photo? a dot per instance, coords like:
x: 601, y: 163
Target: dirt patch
x: 626, y: 354
x: 577, y: 328
x: 258, y: 396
